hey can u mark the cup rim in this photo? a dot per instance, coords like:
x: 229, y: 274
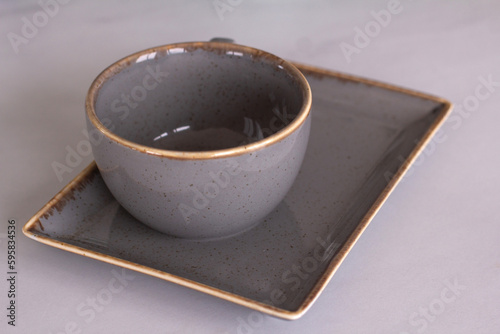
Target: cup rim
x: 128, y: 61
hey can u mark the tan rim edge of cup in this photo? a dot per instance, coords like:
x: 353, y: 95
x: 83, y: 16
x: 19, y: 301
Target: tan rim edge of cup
x: 199, y: 155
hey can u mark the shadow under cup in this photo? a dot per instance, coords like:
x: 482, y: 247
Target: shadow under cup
x: 199, y: 140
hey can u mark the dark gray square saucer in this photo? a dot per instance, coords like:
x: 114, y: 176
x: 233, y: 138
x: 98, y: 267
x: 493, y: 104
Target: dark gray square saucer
x: 364, y: 137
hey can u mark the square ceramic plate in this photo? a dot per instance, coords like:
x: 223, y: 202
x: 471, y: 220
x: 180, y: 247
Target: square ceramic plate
x: 364, y: 136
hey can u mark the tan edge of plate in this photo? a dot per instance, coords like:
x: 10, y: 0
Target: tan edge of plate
x: 363, y: 224
x: 252, y: 304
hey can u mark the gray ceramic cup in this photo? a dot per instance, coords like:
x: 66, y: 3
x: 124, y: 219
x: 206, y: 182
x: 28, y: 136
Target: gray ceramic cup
x: 202, y: 139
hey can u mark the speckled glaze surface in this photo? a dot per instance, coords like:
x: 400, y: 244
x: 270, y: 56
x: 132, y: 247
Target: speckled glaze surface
x: 199, y: 140
x: 364, y: 137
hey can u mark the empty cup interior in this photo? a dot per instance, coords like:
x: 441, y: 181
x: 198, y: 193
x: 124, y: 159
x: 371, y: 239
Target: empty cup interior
x: 199, y: 98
